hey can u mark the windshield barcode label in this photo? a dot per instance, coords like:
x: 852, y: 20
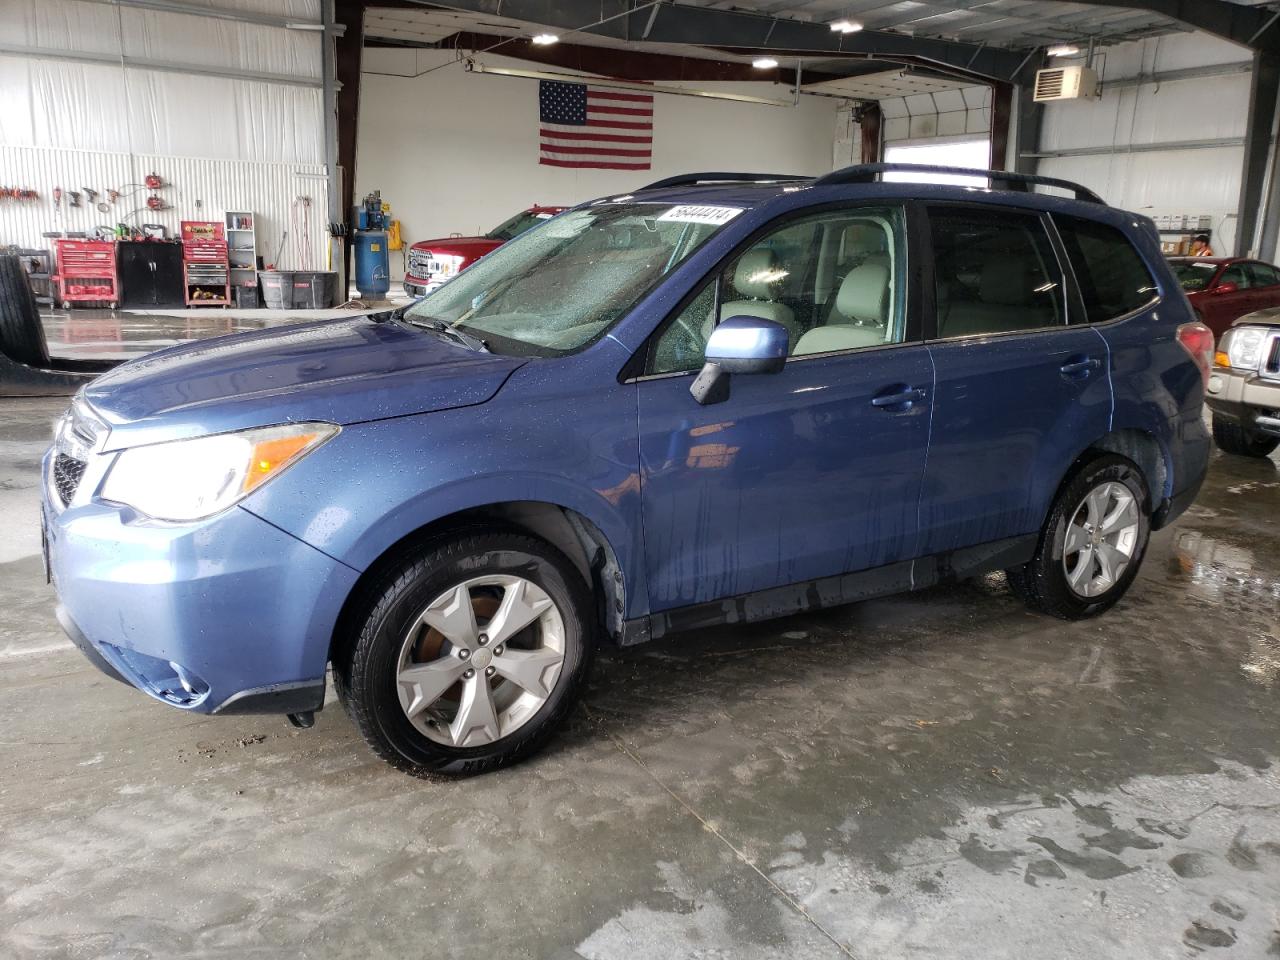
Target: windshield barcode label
x: 701, y: 214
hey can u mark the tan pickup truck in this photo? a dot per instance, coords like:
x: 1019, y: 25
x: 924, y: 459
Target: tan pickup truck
x: 1244, y: 386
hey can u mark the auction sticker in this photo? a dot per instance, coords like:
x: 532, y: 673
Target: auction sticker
x: 701, y: 213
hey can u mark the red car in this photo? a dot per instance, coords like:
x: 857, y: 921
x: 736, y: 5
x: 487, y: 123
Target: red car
x: 1222, y: 289
x: 432, y: 262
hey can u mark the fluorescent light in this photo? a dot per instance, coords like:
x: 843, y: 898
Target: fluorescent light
x: 845, y: 26
x: 764, y: 63
x: 545, y: 39
x: 1063, y: 50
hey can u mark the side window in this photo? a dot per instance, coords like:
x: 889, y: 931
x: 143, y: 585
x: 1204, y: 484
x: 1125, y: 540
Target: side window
x: 1113, y: 278
x: 1262, y: 275
x: 1235, y: 274
x: 995, y: 272
x: 835, y: 280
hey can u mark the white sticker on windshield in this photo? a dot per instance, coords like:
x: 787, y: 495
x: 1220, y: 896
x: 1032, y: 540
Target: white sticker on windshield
x: 691, y: 213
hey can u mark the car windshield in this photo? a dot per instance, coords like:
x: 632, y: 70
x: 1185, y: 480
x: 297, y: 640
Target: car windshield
x: 554, y: 289
x: 510, y: 229
x: 1194, y: 275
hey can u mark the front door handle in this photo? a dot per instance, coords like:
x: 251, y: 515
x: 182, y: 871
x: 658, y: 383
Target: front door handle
x: 1080, y: 368
x: 900, y: 399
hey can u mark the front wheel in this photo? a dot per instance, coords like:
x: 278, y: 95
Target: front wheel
x: 470, y: 655
x: 1233, y: 437
x: 1092, y: 542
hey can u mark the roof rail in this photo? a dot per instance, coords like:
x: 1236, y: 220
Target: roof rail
x: 689, y: 179
x: 871, y: 172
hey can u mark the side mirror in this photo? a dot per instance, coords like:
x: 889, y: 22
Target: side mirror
x: 740, y: 345
x: 1226, y: 287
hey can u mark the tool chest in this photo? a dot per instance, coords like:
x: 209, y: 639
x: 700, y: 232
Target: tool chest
x: 86, y: 272
x: 206, y: 271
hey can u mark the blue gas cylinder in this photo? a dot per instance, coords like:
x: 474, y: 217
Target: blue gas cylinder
x: 373, y: 271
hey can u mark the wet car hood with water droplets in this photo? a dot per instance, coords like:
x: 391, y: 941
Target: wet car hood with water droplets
x: 341, y: 371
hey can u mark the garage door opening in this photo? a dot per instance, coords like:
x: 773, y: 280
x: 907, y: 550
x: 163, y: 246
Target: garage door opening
x: 971, y: 152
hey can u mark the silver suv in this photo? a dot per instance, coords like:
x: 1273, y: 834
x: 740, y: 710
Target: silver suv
x: 1244, y: 388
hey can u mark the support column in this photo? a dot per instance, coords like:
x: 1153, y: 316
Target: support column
x: 330, y: 107
x: 1263, y: 90
x: 869, y: 125
x: 347, y: 54
x: 1001, y: 122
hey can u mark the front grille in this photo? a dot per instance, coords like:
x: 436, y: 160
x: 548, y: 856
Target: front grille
x: 67, y: 472
x: 1271, y: 363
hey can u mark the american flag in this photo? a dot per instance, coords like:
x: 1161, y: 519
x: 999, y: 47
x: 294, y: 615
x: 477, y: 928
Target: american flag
x: 587, y: 126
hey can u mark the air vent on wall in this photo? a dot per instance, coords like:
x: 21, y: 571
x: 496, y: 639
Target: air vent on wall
x: 1065, y: 83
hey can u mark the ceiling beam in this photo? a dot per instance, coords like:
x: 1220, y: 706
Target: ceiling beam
x: 675, y: 23
x: 1253, y: 27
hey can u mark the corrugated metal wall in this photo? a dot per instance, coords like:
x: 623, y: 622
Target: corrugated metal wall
x: 1161, y: 183
x: 199, y: 190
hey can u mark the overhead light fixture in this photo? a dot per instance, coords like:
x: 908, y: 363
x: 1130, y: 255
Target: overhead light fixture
x: 545, y: 39
x: 845, y: 26
x: 764, y: 63
x: 1063, y: 50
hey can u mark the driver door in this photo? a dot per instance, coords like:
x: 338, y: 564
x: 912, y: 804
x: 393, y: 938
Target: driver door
x: 805, y: 474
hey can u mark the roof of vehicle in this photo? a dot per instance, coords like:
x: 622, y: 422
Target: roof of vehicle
x: 748, y: 190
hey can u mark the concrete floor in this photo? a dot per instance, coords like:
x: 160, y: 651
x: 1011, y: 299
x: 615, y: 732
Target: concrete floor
x: 939, y: 775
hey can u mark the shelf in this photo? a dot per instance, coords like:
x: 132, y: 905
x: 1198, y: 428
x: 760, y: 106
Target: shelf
x: 1196, y: 231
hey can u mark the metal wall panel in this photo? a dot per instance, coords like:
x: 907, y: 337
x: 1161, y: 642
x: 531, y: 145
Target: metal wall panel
x: 199, y: 190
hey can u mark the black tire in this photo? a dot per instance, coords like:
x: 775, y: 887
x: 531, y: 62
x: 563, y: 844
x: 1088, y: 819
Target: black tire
x: 366, y: 669
x: 1231, y: 436
x: 21, y: 335
x: 1042, y: 582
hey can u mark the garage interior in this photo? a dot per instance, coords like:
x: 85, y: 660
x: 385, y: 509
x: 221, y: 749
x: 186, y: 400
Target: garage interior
x: 943, y: 774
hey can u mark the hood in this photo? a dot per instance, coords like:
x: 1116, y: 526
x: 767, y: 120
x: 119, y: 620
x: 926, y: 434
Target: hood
x: 471, y: 248
x: 1267, y: 316
x: 341, y: 371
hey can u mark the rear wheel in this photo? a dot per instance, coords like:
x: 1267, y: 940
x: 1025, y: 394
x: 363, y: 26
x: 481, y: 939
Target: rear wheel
x: 1233, y: 437
x: 470, y: 655
x: 1092, y: 542
x: 21, y: 335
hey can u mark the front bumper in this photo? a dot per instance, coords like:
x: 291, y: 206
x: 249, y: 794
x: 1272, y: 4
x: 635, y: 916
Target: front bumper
x: 419, y: 287
x: 1247, y: 398
x: 227, y: 615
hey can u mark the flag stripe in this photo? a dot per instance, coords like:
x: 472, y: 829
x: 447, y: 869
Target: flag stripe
x: 594, y: 109
x: 581, y: 126
x: 593, y: 164
x: 593, y: 94
x: 549, y: 134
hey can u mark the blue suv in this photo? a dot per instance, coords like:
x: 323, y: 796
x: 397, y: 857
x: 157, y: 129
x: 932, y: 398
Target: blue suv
x: 718, y: 399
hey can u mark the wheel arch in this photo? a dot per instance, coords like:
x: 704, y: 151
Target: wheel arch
x: 1145, y: 450
x: 570, y: 531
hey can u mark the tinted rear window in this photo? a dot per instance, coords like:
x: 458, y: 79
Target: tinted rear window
x: 1113, y: 278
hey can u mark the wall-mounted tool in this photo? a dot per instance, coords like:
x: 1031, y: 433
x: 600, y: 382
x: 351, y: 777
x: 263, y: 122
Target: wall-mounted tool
x: 90, y: 194
x: 153, y: 181
x: 113, y: 195
x: 57, y: 198
x: 156, y: 203
x: 73, y: 198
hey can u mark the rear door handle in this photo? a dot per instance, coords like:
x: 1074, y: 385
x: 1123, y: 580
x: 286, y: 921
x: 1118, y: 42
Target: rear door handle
x: 1080, y: 368
x: 902, y: 398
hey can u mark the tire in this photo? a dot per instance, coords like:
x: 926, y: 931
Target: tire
x: 1044, y: 583
x: 401, y: 630
x: 1232, y: 437
x: 21, y: 335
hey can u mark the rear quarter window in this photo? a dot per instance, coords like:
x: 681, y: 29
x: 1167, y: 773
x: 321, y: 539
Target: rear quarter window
x: 1113, y: 278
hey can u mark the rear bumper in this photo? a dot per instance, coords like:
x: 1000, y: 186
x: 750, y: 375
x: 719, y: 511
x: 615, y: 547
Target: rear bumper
x: 1249, y: 400
x: 229, y: 615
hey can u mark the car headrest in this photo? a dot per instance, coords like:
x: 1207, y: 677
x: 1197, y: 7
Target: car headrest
x: 758, y: 275
x: 864, y: 293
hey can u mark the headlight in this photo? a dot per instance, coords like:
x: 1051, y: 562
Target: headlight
x: 193, y: 479
x: 1242, y: 347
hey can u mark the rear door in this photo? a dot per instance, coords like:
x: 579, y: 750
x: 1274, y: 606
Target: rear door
x: 1019, y: 391
x: 1264, y: 285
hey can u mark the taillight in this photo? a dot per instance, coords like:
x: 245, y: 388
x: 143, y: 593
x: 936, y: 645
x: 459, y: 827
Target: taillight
x: 1197, y: 340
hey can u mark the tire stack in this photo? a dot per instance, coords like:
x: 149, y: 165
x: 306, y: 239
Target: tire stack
x: 21, y: 334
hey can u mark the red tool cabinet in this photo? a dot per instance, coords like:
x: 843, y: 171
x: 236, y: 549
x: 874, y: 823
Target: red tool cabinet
x: 86, y: 272
x: 204, y: 263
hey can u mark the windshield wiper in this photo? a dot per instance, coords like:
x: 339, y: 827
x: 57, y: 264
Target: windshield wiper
x: 445, y: 330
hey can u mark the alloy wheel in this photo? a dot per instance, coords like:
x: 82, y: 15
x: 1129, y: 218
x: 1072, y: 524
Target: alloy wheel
x: 1101, y: 539
x: 480, y: 660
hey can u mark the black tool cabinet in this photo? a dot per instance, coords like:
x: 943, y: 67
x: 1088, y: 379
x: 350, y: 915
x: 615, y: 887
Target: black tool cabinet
x: 150, y: 273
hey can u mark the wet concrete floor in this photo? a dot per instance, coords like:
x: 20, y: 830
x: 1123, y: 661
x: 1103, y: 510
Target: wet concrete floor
x: 938, y: 775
